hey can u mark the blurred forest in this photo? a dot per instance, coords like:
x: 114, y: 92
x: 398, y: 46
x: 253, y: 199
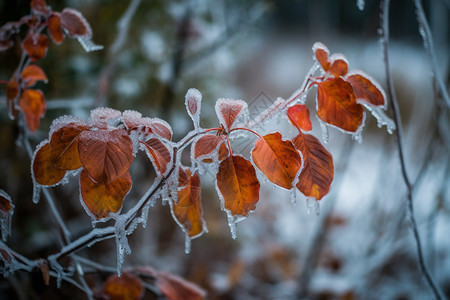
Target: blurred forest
x: 360, y: 245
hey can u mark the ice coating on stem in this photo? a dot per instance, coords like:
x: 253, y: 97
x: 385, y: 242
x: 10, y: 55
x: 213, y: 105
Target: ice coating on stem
x: 88, y: 45
x: 193, y: 101
x: 381, y: 117
x: 6, y: 213
x: 121, y: 241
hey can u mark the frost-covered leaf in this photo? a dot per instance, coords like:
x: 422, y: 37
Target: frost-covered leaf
x: 159, y: 154
x: 277, y: 159
x: 366, y: 89
x: 193, y: 101
x: 238, y: 185
x: 6, y: 212
x: 103, y: 198
x: 33, y: 73
x: 206, y: 146
x: 176, y: 288
x: 33, y: 106
x: 126, y: 287
x: 229, y: 110
x: 64, y: 145
x: 337, y: 105
x: 100, y: 116
x: 339, y: 66
x: 321, y: 54
x: 75, y: 24
x: 35, y: 45
x: 54, y: 28
x: 145, y: 126
x: 105, y: 154
x: 318, y: 170
x: 188, y: 209
x: 44, y: 171
x: 40, y: 7
x: 12, y: 90
x: 299, y: 117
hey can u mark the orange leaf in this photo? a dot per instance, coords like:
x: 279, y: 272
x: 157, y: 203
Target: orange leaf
x: 101, y: 199
x: 105, y: 154
x: 176, y: 288
x: 188, y: 210
x: 35, y: 45
x: 126, y: 287
x: 238, y: 184
x: 12, y: 90
x: 54, y: 28
x: 228, y: 110
x: 206, y: 146
x: 33, y: 106
x: 44, y: 171
x: 33, y: 73
x: 366, y: 90
x: 318, y: 170
x: 75, y: 24
x: 40, y: 7
x: 321, y: 53
x: 339, y: 67
x: 64, y: 143
x: 337, y: 105
x: 299, y: 117
x: 159, y: 154
x: 277, y: 159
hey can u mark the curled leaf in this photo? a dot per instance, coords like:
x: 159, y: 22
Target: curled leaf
x: 337, y: 105
x: 54, y: 28
x: 206, y: 146
x: 238, y: 185
x: 33, y: 73
x: 299, y: 117
x: 126, y: 287
x: 366, y: 89
x: 33, y: 106
x: 277, y: 159
x: 318, y: 169
x: 104, y: 198
x: 188, y: 209
x: 105, y: 154
x: 159, y: 154
x: 44, y: 172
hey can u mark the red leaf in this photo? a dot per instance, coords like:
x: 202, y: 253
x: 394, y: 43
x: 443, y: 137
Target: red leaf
x: 339, y: 67
x: 318, y: 170
x: 33, y: 73
x: 35, y: 45
x: 366, y: 89
x: 32, y: 104
x: 229, y: 110
x: 75, y: 24
x: 299, y: 117
x: 176, y: 288
x: 238, y: 184
x: 205, y: 147
x: 277, y: 159
x: 337, y: 105
x: 321, y: 54
x: 103, y: 198
x: 40, y: 7
x: 159, y: 154
x: 105, y: 154
x: 12, y: 90
x: 188, y: 210
x: 5, y: 203
x: 134, y: 122
x: 64, y: 144
x: 126, y: 287
x: 54, y: 28
x: 44, y: 172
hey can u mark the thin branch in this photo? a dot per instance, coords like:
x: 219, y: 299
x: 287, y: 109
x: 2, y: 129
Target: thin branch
x: 398, y: 133
x: 429, y: 47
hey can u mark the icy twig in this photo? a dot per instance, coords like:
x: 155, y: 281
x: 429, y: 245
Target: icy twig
x: 398, y: 133
x: 425, y: 31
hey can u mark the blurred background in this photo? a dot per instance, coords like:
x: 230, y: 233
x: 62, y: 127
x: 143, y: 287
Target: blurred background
x: 360, y: 245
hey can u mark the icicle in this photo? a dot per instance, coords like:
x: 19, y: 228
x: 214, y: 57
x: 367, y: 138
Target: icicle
x: 36, y: 191
x: 187, y: 244
x: 88, y: 45
x: 357, y: 136
x: 121, y: 242
x: 232, y: 225
x: 325, y: 134
x: 317, y: 208
x: 381, y: 117
x: 294, y: 196
x: 309, y: 204
x: 360, y: 4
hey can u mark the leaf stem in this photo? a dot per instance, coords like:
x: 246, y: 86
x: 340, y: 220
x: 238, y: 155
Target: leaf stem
x: 247, y: 129
x: 398, y: 133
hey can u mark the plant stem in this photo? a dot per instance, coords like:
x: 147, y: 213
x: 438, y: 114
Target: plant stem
x: 398, y: 133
